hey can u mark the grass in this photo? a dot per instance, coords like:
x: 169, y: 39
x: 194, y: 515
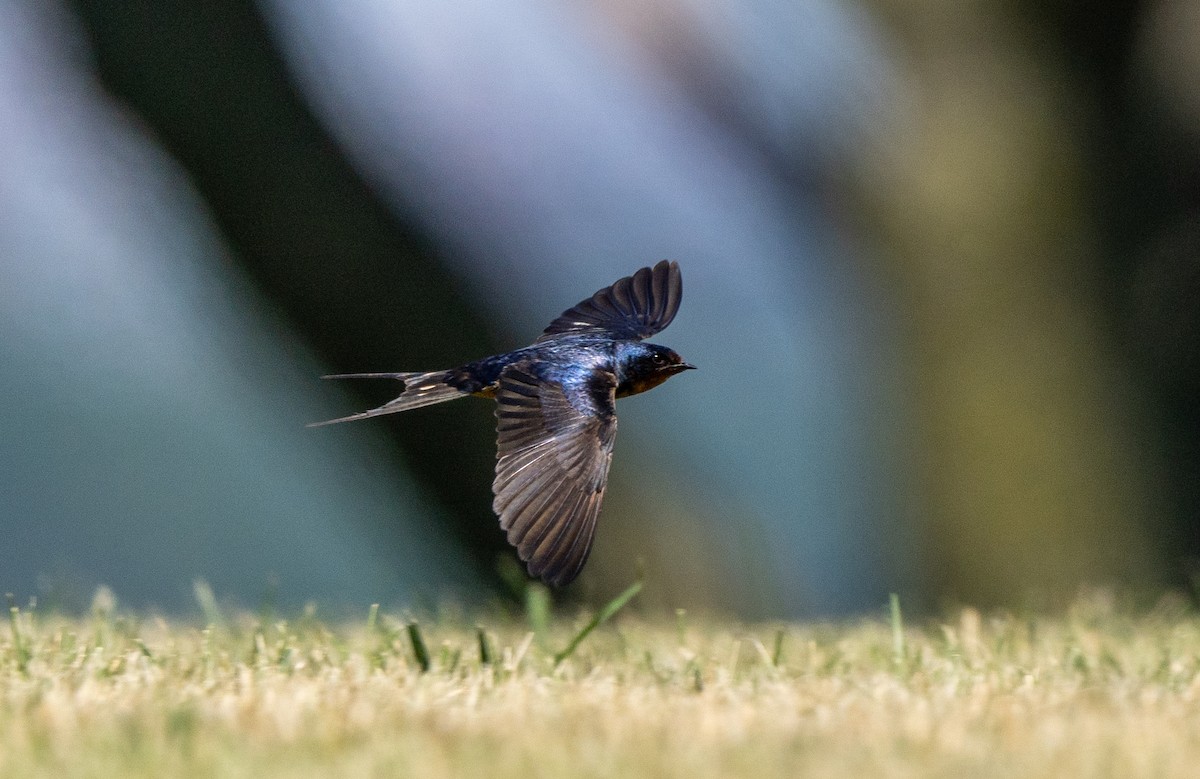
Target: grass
x: 1097, y: 691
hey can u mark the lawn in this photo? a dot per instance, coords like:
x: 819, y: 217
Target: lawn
x: 1098, y: 690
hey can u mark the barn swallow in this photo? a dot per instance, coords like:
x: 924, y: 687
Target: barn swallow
x: 556, y: 412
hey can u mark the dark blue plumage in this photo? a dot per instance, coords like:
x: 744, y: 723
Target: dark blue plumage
x: 556, y: 412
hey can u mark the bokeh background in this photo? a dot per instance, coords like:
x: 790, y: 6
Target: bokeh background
x: 941, y: 267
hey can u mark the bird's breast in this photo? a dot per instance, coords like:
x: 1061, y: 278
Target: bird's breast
x: 640, y: 384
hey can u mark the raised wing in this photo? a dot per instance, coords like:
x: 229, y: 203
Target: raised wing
x: 554, y: 447
x: 633, y: 308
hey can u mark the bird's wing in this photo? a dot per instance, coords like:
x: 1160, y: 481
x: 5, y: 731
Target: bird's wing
x: 633, y: 308
x: 554, y: 448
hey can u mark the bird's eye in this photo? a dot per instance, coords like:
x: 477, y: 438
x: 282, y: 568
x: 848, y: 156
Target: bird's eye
x: 658, y: 359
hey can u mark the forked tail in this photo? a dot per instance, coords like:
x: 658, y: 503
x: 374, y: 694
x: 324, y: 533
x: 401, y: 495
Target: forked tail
x: 420, y: 389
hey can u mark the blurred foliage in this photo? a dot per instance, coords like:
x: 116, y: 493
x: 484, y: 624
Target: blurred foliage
x: 362, y: 284
x: 1023, y: 196
x: 1035, y: 202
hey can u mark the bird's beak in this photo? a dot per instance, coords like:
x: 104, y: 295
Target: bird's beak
x: 684, y: 366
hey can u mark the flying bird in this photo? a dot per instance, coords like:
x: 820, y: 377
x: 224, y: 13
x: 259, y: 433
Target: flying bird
x: 556, y: 412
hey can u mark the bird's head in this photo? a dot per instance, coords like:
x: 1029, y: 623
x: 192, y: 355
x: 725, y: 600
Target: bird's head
x: 644, y: 366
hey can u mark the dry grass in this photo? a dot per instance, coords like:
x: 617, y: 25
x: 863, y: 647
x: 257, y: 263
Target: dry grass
x: 1096, y: 692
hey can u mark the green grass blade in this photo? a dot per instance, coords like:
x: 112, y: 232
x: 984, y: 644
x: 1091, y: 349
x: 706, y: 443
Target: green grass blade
x: 602, y: 616
x: 537, y: 610
x: 420, y: 651
x: 486, y: 655
x: 23, y: 652
x: 899, y: 651
x: 208, y: 604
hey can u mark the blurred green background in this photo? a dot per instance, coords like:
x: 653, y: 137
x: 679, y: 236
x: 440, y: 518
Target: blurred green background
x: 941, y: 268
